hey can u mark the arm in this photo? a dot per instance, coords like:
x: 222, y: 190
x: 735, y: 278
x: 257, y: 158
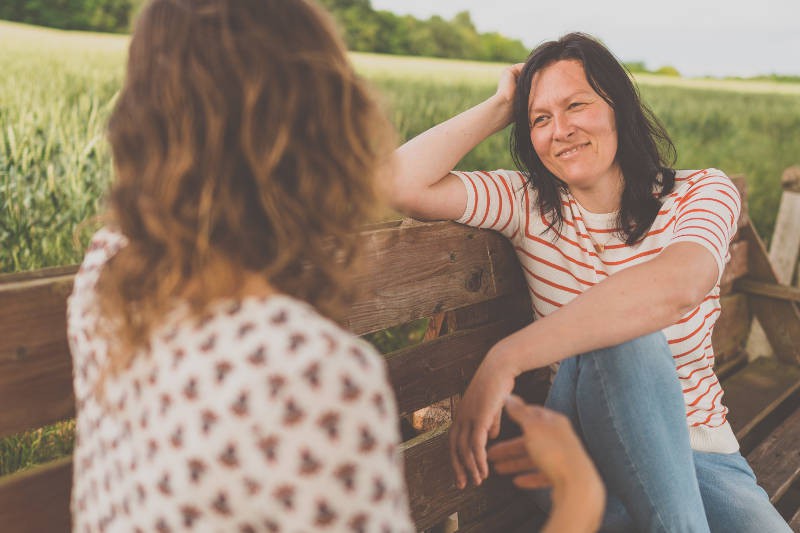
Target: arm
x: 421, y: 185
x: 639, y: 300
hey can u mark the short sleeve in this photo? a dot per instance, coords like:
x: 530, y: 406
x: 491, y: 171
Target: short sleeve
x: 708, y: 215
x: 494, y: 199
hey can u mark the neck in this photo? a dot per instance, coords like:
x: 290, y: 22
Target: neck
x: 603, y: 197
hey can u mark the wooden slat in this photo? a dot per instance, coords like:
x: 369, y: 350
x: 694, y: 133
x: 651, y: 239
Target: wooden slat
x: 419, y: 270
x: 780, y: 319
x: 732, y: 327
x: 35, y: 367
x: 741, y: 185
x: 736, y: 267
x: 770, y: 290
x: 757, y: 390
x: 776, y: 461
x: 37, y: 500
x: 520, y: 513
x: 794, y: 523
x: 429, y: 478
x: 429, y: 372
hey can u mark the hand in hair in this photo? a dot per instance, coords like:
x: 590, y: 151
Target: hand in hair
x: 549, y: 454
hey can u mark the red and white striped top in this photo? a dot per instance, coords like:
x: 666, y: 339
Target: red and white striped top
x: 703, y: 208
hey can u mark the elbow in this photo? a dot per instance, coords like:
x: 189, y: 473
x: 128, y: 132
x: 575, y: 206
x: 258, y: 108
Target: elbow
x: 685, y: 298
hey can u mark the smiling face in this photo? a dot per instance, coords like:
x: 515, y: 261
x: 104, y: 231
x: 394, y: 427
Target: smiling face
x: 573, y: 130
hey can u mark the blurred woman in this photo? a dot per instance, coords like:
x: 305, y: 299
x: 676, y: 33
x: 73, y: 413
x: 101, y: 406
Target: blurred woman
x: 214, y: 392
x: 623, y: 256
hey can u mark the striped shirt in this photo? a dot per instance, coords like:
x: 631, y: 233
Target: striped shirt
x: 703, y: 208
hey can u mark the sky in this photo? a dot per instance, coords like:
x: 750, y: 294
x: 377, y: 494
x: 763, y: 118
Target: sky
x: 698, y: 37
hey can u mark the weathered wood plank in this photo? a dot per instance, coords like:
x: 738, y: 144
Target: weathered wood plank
x: 736, y: 267
x: 780, y: 319
x: 770, y: 290
x: 422, y: 269
x: 776, y: 461
x: 429, y: 478
x: 37, y: 500
x: 741, y: 185
x: 35, y: 367
x: 756, y: 391
x: 429, y: 372
x: 785, y: 243
x: 794, y: 523
x: 520, y: 514
x: 732, y: 327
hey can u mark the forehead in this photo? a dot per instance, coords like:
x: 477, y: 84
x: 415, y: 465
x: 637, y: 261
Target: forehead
x: 557, y: 82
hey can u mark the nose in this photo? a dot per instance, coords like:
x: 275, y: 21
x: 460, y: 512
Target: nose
x: 562, y: 126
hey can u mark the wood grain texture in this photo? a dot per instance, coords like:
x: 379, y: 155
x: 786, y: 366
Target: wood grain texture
x: 770, y: 290
x: 780, y: 319
x: 794, y: 523
x: 732, y: 327
x: 37, y: 500
x: 429, y: 372
x: 518, y: 514
x: 776, y: 461
x: 433, y: 495
x: 736, y: 267
x: 35, y: 366
x: 741, y: 185
x: 757, y: 390
x: 418, y: 270
x: 785, y: 243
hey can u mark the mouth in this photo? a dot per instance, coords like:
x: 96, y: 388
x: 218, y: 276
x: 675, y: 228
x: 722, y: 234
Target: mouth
x: 571, y: 150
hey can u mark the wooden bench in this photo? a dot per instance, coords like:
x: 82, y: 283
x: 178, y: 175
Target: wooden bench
x: 469, y: 283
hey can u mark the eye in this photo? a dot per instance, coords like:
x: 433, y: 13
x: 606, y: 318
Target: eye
x: 576, y: 105
x: 538, y: 120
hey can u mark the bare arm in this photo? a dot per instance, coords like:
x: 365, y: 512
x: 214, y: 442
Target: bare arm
x: 421, y: 185
x: 631, y: 303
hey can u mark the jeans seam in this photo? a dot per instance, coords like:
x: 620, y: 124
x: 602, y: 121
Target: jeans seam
x: 623, y: 447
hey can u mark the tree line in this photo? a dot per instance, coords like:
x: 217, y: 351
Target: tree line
x: 364, y: 28
x: 368, y: 30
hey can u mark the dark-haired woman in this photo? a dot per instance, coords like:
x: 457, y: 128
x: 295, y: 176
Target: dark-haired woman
x: 623, y: 257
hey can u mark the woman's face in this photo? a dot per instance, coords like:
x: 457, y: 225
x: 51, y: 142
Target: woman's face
x: 573, y: 129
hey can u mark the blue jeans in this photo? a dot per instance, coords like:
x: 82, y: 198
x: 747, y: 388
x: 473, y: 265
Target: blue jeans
x: 626, y: 404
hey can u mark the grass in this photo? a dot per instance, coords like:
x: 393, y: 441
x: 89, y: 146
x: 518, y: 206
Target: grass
x: 58, y: 87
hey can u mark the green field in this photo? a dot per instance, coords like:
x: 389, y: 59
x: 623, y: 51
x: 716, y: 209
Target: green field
x: 57, y: 89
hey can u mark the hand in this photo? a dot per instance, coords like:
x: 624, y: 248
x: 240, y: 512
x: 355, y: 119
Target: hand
x: 477, y: 419
x: 549, y: 453
x: 507, y: 85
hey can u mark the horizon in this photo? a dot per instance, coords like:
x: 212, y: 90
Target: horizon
x: 708, y: 42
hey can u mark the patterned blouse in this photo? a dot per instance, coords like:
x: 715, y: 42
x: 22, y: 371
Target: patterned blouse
x: 261, y: 416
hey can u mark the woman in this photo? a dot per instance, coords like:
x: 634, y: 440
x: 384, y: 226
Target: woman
x: 211, y: 395
x: 623, y: 257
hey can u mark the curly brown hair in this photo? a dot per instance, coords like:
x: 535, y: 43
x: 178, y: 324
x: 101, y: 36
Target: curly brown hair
x: 243, y: 143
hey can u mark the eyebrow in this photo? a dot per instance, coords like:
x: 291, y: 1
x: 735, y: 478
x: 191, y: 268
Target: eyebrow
x: 570, y: 96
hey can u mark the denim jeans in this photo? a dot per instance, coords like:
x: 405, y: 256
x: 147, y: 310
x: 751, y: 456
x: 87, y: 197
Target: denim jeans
x: 626, y: 404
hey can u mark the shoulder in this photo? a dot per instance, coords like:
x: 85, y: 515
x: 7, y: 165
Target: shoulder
x: 102, y: 247
x: 687, y: 180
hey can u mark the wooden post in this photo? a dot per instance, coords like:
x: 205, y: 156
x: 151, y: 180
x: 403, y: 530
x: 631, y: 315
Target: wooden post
x: 783, y: 251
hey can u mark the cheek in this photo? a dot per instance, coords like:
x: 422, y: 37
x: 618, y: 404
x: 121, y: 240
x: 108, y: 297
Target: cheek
x: 540, y: 143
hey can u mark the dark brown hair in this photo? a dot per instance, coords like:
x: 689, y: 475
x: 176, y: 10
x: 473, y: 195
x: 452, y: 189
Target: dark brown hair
x: 243, y: 143
x: 645, y: 152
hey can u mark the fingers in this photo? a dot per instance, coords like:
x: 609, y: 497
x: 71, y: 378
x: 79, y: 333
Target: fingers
x: 507, y: 449
x: 532, y: 480
x: 514, y: 466
x: 455, y: 461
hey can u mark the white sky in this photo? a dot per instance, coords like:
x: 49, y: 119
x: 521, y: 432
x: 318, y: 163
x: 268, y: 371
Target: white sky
x: 698, y: 37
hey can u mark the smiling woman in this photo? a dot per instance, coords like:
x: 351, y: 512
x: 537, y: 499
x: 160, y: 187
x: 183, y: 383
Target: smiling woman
x: 623, y: 256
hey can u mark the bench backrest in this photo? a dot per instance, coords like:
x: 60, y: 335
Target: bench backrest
x: 468, y: 280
